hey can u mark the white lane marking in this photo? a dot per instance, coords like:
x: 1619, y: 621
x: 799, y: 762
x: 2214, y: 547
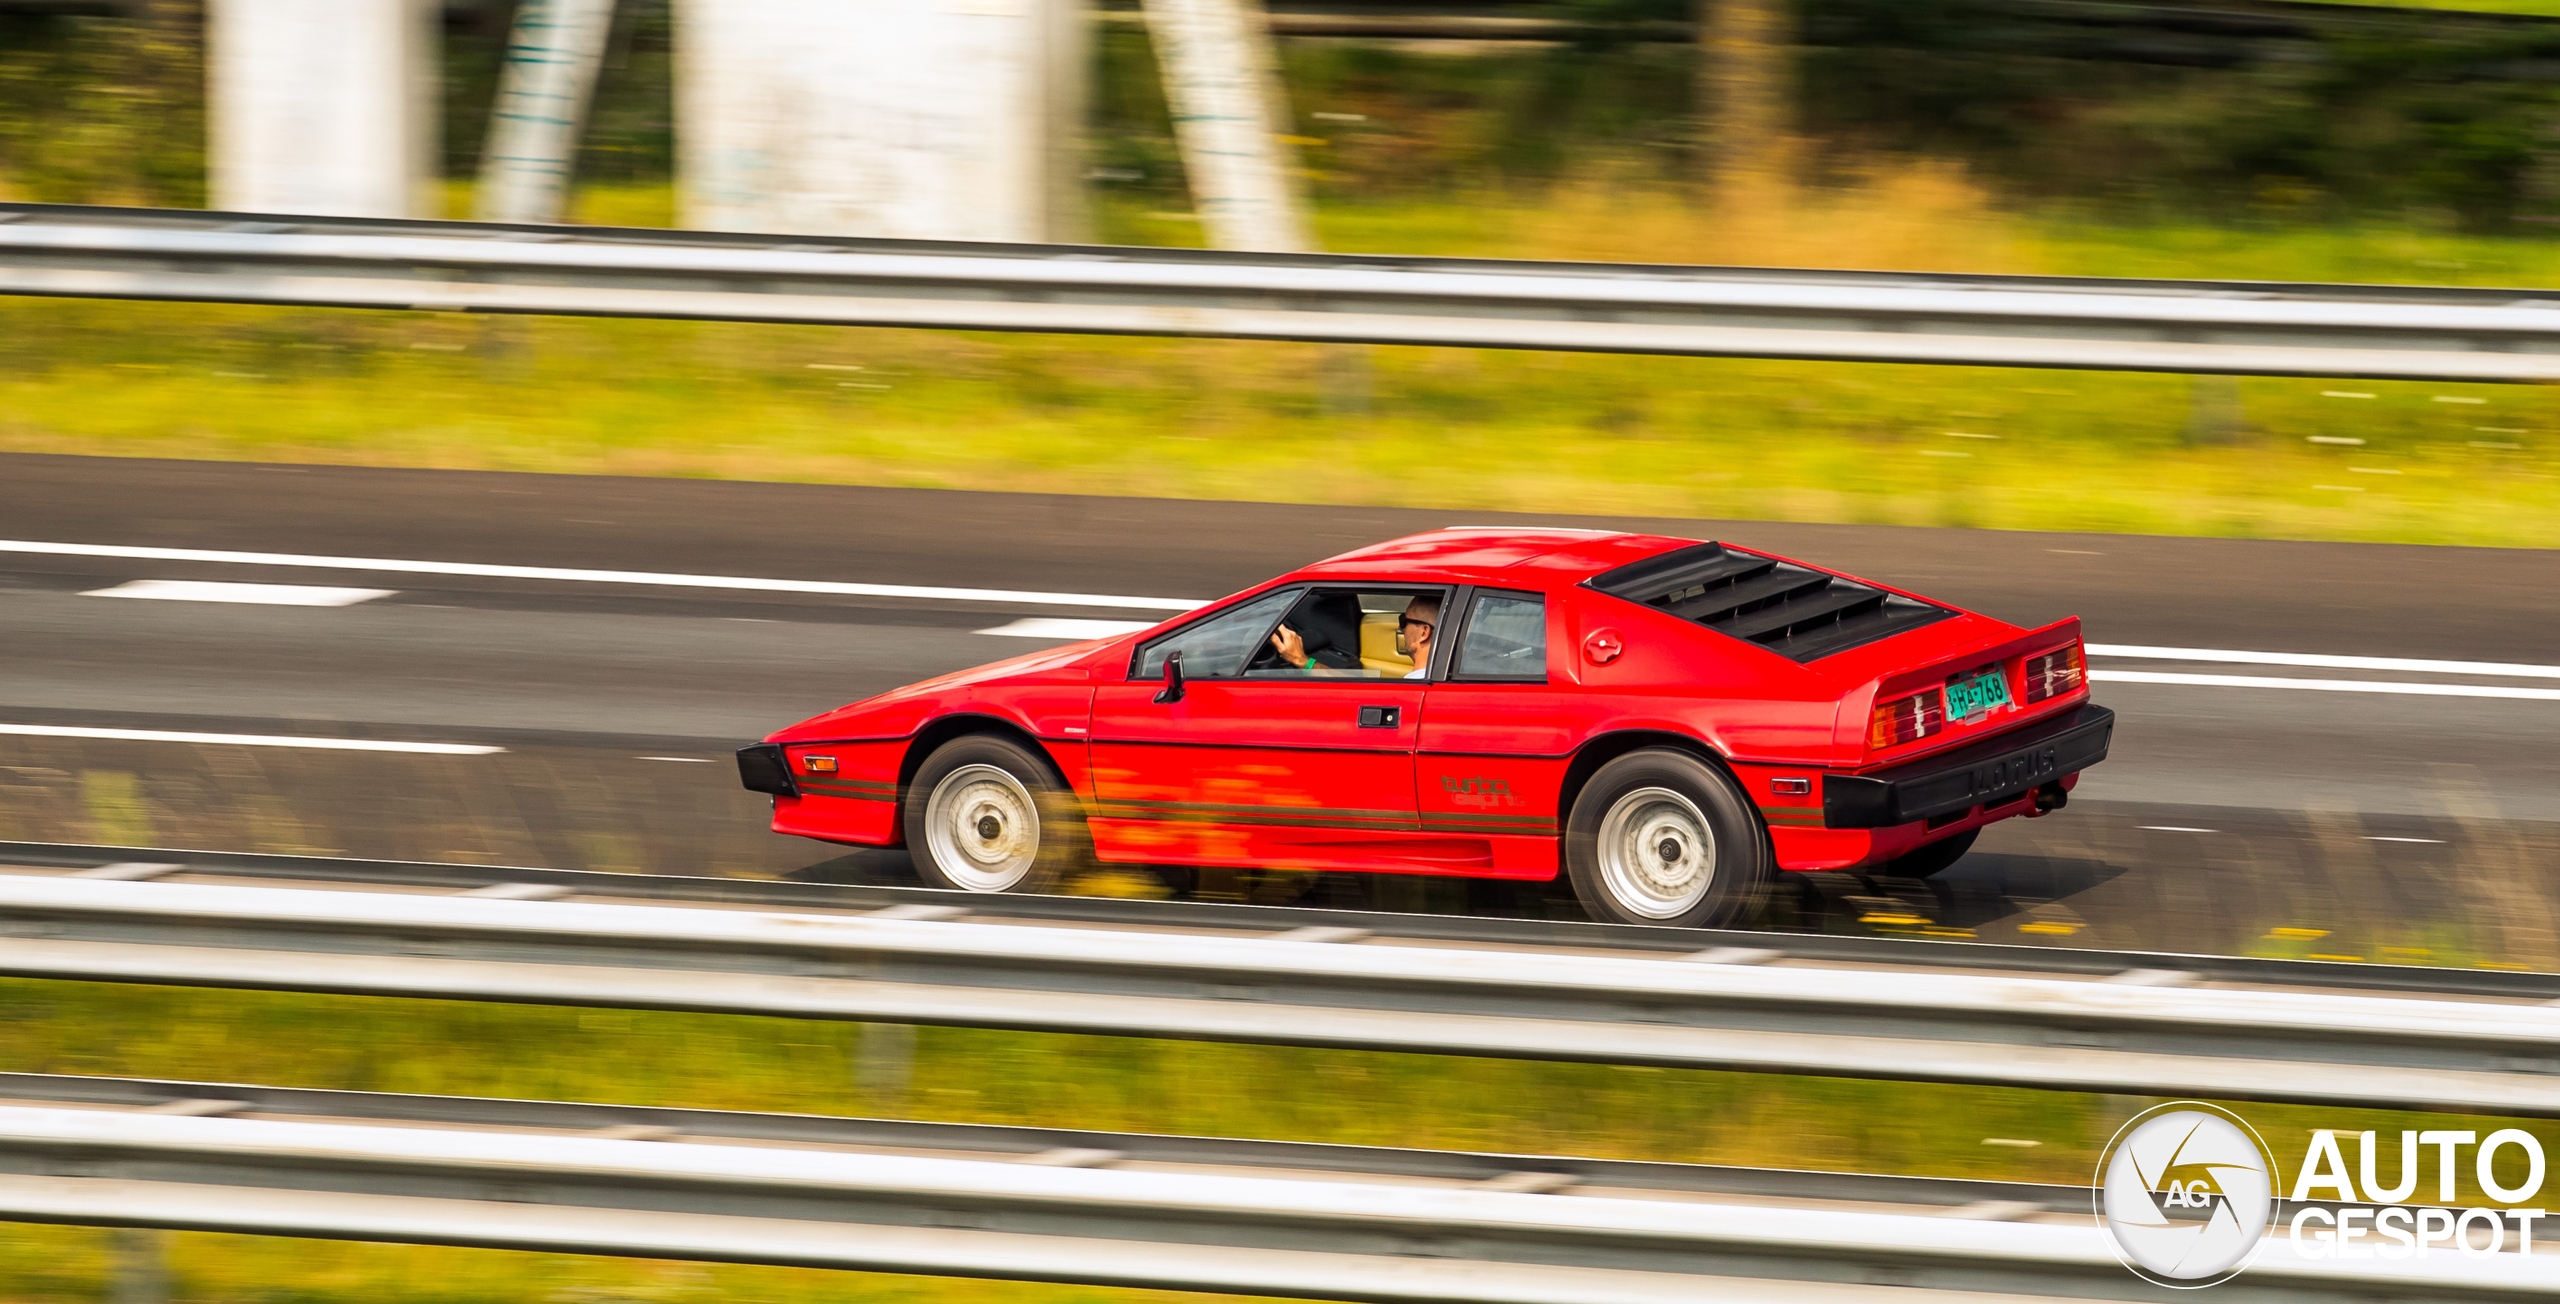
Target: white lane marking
x: 273, y: 595
x: 683, y: 760
x: 250, y: 740
x: 1067, y: 630
x: 2326, y: 685
x: 1021, y: 628
x: 2406, y: 665
x: 2433, y: 842
x: 2172, y: 828
x: 832, y: 588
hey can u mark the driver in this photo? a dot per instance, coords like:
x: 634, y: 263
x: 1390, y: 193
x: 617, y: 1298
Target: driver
x: 1421, y: 619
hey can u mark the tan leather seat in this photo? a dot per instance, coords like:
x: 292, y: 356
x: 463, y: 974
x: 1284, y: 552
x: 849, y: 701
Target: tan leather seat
x: 1378, y: 644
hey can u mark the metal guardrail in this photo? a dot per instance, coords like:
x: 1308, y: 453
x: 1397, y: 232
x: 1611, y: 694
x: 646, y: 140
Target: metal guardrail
x: 1723, y: 1007
x: 1262, y: 1218
x: 2180, y: 326
x: 1823, y: 949
x: 1975, y: 1198
x: 2218, y: 34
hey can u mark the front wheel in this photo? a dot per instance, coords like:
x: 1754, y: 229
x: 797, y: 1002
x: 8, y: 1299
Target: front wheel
x: 1663, y: 837
x: 985, y: 815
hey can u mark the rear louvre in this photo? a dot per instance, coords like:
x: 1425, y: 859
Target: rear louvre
x: 1796, y: 612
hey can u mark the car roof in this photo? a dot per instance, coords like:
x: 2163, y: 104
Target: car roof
x: 1493, y: 555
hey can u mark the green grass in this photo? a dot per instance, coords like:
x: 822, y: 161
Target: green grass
x: 962, y: 1075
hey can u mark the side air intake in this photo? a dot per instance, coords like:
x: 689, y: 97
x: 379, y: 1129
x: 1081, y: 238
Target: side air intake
x: 1794, y: 611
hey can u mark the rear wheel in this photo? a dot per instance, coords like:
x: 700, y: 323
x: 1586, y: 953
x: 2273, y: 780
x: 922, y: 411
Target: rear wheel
x: 1931, y: 860
x: 986, y: 815
x: 1663, y: 837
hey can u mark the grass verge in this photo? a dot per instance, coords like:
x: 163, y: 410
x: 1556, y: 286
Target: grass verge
x: 1214, y: 419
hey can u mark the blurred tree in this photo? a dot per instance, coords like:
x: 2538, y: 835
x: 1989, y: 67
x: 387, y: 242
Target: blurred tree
x: 104, y: 109
x: 1745, y: 96
x: 164, y: 74
x: 2350, y: 114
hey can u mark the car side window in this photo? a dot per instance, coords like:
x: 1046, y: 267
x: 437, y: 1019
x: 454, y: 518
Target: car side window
x: 1506, y: 638
x: 1350, y: 633
x: 1218, y: 647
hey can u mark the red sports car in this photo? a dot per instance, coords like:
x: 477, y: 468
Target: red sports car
x: 1666, y: 721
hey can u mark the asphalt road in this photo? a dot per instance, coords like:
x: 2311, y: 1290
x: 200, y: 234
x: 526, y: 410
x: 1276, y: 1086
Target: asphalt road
x: 581, y: 681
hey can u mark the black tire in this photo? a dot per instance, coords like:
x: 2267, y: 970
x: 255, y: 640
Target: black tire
x: 1933, y: 859
x: 1006, y: 822
x: 1647, y: 803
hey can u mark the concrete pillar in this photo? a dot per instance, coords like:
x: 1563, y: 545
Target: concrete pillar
x: 1221, y: 79
x: 543, y: 90
x: 906, y: 119
x: 324, y: 106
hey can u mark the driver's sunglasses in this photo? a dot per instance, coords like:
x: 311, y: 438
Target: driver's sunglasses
x: 1402, y: 621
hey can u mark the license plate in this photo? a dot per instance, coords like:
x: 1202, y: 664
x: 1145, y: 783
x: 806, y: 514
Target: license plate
x: 1972, y: 695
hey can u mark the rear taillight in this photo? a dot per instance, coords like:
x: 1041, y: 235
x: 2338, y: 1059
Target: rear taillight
x: 2055, y: 673
x: 1906, y: 719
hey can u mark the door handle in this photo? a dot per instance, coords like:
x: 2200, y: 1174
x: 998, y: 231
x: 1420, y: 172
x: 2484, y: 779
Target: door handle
x: 1381, y: 717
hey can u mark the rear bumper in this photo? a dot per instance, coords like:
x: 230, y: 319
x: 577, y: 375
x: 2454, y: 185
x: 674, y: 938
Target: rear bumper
x: 1988, y: 773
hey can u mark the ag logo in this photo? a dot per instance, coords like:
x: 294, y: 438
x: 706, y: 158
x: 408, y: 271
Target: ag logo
x: 2186, y: 1191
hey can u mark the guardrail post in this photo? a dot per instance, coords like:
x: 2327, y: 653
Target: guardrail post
x: 139, y: 1258
x: 543, y: 91
x: 2214, y: 411
x: 884, y: 1060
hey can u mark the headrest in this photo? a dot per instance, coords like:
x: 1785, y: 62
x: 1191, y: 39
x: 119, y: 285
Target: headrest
x: 1328, y: 622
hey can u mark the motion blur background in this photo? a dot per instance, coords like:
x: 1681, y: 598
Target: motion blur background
x: 2318, y: 142
x: 2228, y: 139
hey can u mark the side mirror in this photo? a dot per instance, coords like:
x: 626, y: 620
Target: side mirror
x: 1172, y: 690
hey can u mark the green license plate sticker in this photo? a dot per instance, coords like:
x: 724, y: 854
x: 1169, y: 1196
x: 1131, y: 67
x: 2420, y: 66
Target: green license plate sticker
x: 1975, y: 694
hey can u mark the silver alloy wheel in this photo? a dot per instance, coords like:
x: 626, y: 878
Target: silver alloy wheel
x: 982, y: 828
x: 1657, y: 854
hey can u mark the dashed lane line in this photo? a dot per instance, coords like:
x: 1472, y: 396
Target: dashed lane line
x: 250, y: 740
x: 2325, y: 685
x: 267, y: 595
x: 578, y: 575
x: 2320, y: 661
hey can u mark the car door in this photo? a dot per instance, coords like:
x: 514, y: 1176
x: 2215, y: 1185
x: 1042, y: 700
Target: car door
x: 1258, y: 763
x: 1498, y: 732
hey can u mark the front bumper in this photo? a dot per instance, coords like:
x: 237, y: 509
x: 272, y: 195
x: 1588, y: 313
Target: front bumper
x: 764, y: 768
x: 1988, y: 773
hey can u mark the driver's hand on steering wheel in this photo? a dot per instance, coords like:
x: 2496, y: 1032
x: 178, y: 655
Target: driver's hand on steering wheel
x: 1292, y: 649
